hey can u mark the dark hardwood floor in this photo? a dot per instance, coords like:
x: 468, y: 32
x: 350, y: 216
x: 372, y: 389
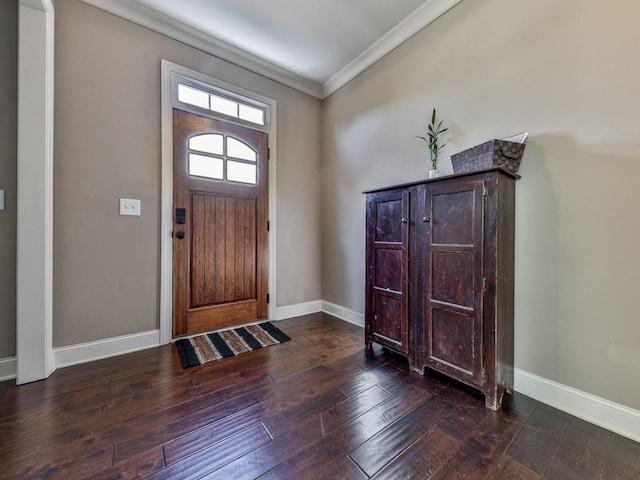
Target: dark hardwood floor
x: 316, y: 407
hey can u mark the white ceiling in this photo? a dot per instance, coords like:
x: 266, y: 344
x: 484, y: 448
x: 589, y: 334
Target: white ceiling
x: 313, y: 45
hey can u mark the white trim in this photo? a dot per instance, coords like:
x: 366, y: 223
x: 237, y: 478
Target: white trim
x: 7, y: 369
x: 419, y: 19
x: 181, y: 32
x: 166, y: 205
x: 343, y: 313
x: 42, y: 5
x: 166, y: 227
x: 110, y: 347
x: 298, y: 309
x: 599, y: 411
x: 34, y: 272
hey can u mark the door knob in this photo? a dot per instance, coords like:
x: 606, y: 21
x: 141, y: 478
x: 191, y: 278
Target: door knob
x: 181, y: 235
x: 404, y: 220
x: 426, y: 219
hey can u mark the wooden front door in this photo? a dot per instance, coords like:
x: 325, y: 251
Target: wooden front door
x: 220, y: 201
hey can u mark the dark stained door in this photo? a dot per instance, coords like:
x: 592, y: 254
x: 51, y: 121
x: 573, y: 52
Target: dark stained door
x: 452, y: 260
x: 387, y: 279
x: 220, y: 224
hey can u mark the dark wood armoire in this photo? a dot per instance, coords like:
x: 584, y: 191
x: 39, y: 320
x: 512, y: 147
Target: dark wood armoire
x: 439, y: 285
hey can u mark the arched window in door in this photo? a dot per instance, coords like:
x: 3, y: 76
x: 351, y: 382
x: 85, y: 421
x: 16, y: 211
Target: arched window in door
x: 222, y: 157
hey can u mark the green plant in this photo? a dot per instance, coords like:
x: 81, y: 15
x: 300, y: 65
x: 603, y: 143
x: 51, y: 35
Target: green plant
x: 431, y: 139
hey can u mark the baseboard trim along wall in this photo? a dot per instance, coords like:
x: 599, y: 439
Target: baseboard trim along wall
x: 599, y: 411
x: 298, y: 309
x: 343, y: 313
x: 110, y: 347
x: 617, y: 418
x: 7, y: 368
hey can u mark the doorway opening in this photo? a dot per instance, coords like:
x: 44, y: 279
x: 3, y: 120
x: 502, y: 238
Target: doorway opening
x: 229, y: 180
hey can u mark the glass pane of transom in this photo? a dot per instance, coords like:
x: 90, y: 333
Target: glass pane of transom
x: 193, y: 96
x: 209, y: 143
x: 251, y: 114
x: 224, y: 106
x: 241, y: 172
x: 208, y: 167
x: 239, y: 149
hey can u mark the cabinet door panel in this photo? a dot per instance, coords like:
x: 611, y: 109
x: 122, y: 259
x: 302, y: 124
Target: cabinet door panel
x: 452, y: 339
x: 386, y: 308
x: 387, y: 319
x: 387, y: 274
x: 452, y: 278
x: 388, y: 215
x: 453, y: 215
x: 453, y: 269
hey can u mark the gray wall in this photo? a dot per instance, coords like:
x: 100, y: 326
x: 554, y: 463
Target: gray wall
x: 568, y: 73
x: 107, y: 146
x: 8, y: 145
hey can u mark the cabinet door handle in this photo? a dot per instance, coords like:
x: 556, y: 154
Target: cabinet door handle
x: 404, y: 220
x: 426, y: 219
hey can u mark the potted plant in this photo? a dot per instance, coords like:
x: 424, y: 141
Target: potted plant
x: 434, y: 130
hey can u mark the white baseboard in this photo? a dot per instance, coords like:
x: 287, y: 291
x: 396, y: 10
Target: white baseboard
x: 599, y: 411
x: 343, y: 313
x: 7, y: 368
x: 617, y: 418
x: 298, y: 309
x: 110, y: 347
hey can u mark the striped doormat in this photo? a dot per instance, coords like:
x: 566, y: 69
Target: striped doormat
x: 227, y: 343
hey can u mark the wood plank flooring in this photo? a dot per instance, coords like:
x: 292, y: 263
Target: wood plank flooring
x: 317, y: 407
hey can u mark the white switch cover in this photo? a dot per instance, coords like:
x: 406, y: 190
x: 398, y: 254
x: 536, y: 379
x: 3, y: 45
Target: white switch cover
x: 1, y: 199
x: 130, y: 206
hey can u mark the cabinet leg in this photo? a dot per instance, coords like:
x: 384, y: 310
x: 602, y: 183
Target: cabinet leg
x: 415, y: 368
x: 493, y: 399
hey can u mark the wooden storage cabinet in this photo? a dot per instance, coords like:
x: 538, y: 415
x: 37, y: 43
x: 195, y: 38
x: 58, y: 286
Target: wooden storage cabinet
x: 451, y: 307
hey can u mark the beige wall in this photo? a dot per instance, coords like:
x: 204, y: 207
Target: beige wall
x: 8, y: 144
x: 568, y: 73
x: 107, y: 146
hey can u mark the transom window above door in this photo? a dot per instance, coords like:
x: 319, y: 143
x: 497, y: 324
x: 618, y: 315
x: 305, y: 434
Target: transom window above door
x: 253, y: 114
x: 222, y: 157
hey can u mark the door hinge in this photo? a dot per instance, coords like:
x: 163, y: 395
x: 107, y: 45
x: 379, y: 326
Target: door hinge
x: 268, y: 298
x: 484, y: 283
x: 268, y: 225
x: 268, y: 154
x: 484, y: 189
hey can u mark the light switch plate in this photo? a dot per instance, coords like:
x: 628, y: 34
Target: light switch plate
x: 1, y: 199
x: 130, y: 206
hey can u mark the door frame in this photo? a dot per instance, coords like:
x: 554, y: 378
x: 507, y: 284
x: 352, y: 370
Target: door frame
x: 34, y: 181
x: 166, y: 195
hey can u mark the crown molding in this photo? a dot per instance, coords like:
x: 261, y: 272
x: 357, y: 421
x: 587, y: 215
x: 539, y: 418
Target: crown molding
x: 42, y: 5
x: 420, y: 18
x: 172, y: 28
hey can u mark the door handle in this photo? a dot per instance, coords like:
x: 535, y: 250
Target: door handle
x: 181, y: 235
